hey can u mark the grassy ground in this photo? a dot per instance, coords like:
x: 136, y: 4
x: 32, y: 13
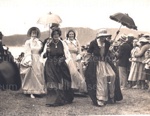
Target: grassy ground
x: 17, y: 104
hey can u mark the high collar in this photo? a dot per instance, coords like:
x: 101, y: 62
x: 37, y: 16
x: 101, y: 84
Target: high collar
x: 71, y: 41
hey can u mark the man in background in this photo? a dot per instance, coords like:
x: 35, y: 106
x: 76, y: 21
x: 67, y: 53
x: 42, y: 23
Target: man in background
x: 123, y: 63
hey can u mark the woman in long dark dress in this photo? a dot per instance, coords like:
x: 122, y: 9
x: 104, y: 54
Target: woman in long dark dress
x: 101, y: 75
x: 57, y: 74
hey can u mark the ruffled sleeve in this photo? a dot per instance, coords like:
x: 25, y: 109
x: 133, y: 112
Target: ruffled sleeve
x: 27, y: 60
x: 27, y: 48
x: 66, y: 51
x: 143, y: 49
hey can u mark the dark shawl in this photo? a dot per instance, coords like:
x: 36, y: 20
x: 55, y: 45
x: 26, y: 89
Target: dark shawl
x: 90, y: 72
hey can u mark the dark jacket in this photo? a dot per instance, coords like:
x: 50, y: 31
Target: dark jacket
x: 124, y: 55
x: 93, y: 48
x: 90, y: 72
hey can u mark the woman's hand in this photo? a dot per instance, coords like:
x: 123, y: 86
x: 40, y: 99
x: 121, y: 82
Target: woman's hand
x: 144, y: 61
x: 130, y: 59
x: 78, y: 58
x: 62, y: 59
x: 48, y: 49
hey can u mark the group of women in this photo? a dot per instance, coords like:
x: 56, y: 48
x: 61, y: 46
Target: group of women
x: 56, y: 69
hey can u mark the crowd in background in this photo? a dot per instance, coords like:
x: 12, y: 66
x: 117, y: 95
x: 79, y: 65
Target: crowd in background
x: 132, y: 61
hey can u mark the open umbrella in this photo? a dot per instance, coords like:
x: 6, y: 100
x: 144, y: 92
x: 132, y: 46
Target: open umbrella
x: 125, y: 20
x: 50, y: 19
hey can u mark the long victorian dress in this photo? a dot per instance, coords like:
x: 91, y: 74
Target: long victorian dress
x: 78, y: 81
x: 31, y: 69
x: 101, y: 75
x: 57, y: 75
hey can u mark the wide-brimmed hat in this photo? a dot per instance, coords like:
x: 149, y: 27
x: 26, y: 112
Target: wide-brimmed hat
x: 143, y: 39
x: 123, y: 37
x: 135, y: 40
x: 102, y: 33
x: 148, y: 49
x: 115, y: 43
x: 34, y: 29
x: 147, y: 35
x: 130, y: 35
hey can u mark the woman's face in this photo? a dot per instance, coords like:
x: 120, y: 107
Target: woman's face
x: 102, y: 38
x: 56, y: 35
x: 71, y: 35
x: 34, y: 34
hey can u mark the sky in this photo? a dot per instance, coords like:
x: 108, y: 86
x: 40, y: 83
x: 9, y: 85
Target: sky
x: 17, y: 16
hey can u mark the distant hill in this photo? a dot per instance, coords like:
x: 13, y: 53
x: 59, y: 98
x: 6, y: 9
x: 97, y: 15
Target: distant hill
x: 84, y: 35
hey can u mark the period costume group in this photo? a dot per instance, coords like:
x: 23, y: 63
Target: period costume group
x: 55, y: 69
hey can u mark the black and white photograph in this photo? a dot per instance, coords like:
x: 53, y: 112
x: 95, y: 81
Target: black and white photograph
x: 74, y: 57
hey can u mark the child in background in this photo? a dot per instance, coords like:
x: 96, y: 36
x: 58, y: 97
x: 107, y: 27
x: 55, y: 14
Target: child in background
x: 147, y: 67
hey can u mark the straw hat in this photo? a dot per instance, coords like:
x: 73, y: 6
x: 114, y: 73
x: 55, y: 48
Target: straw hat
x: 34, y: 29
x: 102, y: 33
x: 143, y: 39
x: 123, y: 37
x: 115, y: 43
x: 146, y: 35
x: 130, y: 35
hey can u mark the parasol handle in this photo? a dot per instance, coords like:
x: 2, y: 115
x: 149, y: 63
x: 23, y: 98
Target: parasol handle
x: 50, y: 30
x: 118, y: 32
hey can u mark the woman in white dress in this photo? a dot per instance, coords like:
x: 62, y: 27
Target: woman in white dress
x: 78, y: 81
x: 32, y: 70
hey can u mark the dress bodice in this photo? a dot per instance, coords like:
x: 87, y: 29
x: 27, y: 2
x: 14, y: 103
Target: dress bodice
x: 33, y: 46
x: 73, y: 46
x: 100, y: 51
x: 56, y: 51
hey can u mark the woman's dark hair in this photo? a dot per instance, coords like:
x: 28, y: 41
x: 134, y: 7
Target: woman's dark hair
x: 69, y: 32
x: 56, y: 29
x: 34, y: 29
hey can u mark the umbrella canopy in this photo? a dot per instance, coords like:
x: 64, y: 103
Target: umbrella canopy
x: 124, y: 19
x: 49, y: 19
